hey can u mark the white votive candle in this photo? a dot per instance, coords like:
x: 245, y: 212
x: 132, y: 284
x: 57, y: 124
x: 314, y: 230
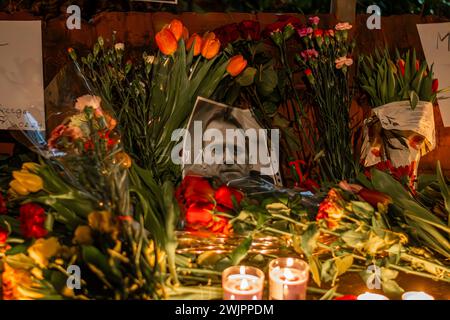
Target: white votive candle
x: 416, y: 295
x: 288, y: 279
x: 242, y: 283
x: 371, y: 296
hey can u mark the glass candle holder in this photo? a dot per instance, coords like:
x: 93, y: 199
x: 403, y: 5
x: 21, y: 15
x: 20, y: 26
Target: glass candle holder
x: 416, y: 295
x: 288, y: 279
x: 371, y: 296
x: 242, y: 283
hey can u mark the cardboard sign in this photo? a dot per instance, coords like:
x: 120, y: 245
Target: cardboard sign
x: 435, y: 38
x: 21, y: 76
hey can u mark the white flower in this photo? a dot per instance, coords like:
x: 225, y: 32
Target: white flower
x: 343, y: 26
x: 149, y: 59
x: 88, y: 101
x: 119, y: 46
x: 340, y: 62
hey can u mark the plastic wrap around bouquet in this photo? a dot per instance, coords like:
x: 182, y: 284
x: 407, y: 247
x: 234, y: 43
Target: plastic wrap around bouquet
x: 402, y: 93
x: 402, y: 134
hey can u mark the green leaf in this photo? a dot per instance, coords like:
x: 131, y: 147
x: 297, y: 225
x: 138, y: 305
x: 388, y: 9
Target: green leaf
x: 20, y: 248
x: 444, y: 189
x: 241, y: 251
x: 247, y: 77
x: 315, y: 268
x: 413, y: 99
x: 309, y: 239
x: 384, y: 182
x: 391, y: 287
x: 343, y: 263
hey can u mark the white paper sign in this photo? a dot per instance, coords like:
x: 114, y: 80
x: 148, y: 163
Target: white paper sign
x: 435, y: 38
x: 21, y: 76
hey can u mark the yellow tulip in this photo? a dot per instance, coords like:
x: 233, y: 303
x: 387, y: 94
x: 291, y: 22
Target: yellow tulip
x: 31, y: 181
x: 43, y: 250
x: 18, y: 188
x: 30, y: 166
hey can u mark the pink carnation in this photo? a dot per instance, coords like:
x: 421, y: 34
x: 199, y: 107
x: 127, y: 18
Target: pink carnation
x: 309, y: 53
x: 303, y: 32
x: 314, y: 20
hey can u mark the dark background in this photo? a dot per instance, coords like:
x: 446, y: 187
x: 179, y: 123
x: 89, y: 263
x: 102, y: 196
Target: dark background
x: 52, y: 8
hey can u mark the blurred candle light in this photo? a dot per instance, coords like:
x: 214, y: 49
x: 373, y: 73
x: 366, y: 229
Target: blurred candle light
x: 288, y: 279
x: 242, y: 283
x: 416, y: 295
x: 371, y: 296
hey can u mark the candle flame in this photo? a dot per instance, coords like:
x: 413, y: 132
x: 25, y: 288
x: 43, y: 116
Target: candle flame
x: 244, y: 284
x: 288, y: 274
x: 289, y: 262
x: 242, y: 270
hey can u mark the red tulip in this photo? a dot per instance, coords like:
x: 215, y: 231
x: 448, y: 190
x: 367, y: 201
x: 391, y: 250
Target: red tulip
x: 374, y: 197
x: 401, y: 65
x: 435, y: 85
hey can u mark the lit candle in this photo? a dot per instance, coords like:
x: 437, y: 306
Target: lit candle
x: 371, y: 296
x: 242, y: 283
x: 416, y: 295
x: 288, y: 279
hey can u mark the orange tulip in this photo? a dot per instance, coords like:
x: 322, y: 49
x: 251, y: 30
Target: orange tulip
x: 211, y: 46
x: 166, y: 41
x: 176, y: 27
x: 209, y: 36
x: 197, y: 45
x: 236, y: 65
x: 185, y: 34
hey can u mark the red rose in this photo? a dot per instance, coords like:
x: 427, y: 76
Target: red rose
x: 3, y: 208
x: 346, y: 297
x: 224, y: 196
x: 3, y: 235
x: 250, y: 29
x: 32, y: 218
x: 227, y: 34
x: 199, y: 215
x: 194, y: 189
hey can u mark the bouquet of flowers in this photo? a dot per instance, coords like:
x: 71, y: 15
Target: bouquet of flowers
x: 402, y: 93
x: 153, y: 97
x: 71, y: 231
x: 325, y: 59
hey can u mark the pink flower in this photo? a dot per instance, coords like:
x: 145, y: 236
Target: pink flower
x: 303, y: 32
x: 340, y: 62
x: 343, y: 26
x: 314, y: 20
x: 329, y: 32
x: 309, y: 53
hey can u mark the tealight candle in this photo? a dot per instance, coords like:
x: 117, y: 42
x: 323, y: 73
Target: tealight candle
x: 288, y: 279
x: 242, y: 283
x: 371, y: 296
x: 416, y: 295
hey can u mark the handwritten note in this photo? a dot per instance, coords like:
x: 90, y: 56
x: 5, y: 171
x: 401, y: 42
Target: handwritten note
x: 21, y: 76
x: 435, y: 38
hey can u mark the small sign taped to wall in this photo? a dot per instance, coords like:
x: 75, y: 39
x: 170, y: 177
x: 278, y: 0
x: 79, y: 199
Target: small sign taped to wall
x: 21, y: 76
x: 435, y: 38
